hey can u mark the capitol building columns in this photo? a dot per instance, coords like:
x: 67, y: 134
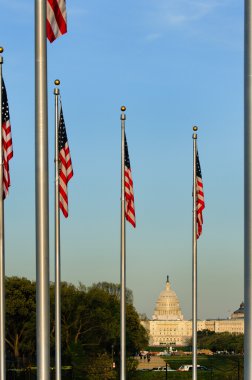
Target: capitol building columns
x: 168, y: 327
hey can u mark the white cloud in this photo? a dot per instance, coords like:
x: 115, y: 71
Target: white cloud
x: 173, y: 13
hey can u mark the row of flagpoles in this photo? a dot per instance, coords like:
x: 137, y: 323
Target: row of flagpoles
x: 50, y: 21
x: 63, y: 173
x: 53, y: 28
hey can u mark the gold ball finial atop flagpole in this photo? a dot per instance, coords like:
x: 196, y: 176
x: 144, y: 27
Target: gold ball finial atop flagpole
x: 123, y: 108
x: 194, y: 136
x: 56, y: 90
x: 1, y: 49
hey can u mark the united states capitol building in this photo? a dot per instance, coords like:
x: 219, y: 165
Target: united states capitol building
x: 168, y: 327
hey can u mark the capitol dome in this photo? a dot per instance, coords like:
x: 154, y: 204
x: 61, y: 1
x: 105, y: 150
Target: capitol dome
x: 239, y: 313
x: 167, y: 305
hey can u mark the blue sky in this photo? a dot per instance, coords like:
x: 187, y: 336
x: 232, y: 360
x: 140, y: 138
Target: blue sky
x: 173, y: 64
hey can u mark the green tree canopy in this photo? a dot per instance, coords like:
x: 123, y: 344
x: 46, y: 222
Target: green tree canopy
x: 90, y: 322
x: 20, y: 316
x: 220, y: 341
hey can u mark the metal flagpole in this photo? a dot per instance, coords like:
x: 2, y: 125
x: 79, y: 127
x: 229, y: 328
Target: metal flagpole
x: 123, y: 255
x: 194, y: 262
x: 2, y: 258
x: 42, y: 194
x: 248, y: 191
x: 57, y: 243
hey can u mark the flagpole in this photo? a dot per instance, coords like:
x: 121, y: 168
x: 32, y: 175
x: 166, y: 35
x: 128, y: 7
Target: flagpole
x: 57, y: 243
x: 194, y: 262
x: 42, y: 194
x: 2, y: 254
x: 248, y: 191
x: 123, y: 256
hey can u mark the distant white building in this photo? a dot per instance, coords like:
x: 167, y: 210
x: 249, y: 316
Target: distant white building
x: 168, y: 327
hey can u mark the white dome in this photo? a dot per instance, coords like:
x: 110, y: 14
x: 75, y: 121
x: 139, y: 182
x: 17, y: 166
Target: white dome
x: 167, y: 305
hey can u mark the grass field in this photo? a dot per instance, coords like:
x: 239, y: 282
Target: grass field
x: 219, y: 368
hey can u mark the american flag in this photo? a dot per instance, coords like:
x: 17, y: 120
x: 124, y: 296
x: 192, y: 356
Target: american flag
x: 56, y: 19
x: 128, y: 188
x: 6, y: 141
x: 65, y: 165
x: 200, y: 202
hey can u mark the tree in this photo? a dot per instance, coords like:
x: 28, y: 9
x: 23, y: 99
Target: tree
x: 90, y: 323
x: 220, y: 341
x: 114, y: 290
x: 20, y: 316
x: 137, y: 336
x: 75, y: 321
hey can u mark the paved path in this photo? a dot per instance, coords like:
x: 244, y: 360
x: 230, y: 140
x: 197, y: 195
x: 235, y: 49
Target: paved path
x: 155, y: 361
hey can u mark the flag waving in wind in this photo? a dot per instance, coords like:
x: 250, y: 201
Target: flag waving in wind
x: 128, y: 186
x: 6, y: 141
x: 200, y: 203
x: 56, y: 19
x: 65, y: 165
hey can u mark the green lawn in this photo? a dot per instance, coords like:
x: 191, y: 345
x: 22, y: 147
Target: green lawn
x: 220, y: 368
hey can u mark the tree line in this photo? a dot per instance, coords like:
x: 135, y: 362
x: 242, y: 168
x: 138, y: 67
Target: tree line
x: 222, y: 342
x: 90, y: 324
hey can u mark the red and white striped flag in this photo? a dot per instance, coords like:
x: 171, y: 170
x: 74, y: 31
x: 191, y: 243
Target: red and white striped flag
x: 200, y: 202
x: 128, y: 188
x: 6, y: 141
x: 65, y: 165
x: 56, y: 24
